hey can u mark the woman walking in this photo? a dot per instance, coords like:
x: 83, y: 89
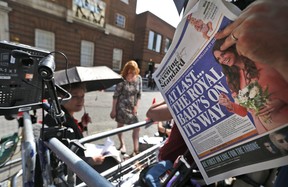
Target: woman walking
x: 126, y: 103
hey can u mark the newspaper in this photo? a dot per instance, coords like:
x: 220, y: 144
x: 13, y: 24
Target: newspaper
x: 106, y: 150
x: 221, y: 117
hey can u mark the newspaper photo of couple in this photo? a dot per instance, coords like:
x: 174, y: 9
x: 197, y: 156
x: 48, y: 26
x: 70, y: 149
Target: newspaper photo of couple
x: 232, y: 112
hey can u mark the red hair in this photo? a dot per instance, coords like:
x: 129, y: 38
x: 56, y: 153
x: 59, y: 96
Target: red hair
x: 130, y: 65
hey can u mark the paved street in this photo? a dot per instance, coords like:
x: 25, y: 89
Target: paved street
x: 98, y: 105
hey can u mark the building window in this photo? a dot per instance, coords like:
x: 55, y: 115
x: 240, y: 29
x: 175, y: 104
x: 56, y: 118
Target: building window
x: 120, y: 20
x: 154, y: 42
x: 167, y: 44
x: 87, y: 53
x: 44, y: 40
x: 125, y: 1
x: 117, y: 59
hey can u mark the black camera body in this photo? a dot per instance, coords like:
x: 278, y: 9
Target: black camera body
x: 20, y: 82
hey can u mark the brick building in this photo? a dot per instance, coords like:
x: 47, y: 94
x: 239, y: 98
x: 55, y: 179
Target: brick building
x: 88, y: 32
x: 153, y: 37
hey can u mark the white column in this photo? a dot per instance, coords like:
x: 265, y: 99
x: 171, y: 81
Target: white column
x: 4, y: 29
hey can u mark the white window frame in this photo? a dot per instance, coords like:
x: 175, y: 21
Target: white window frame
x: 154, y: 41
x: 87, y: 53
x: 44, y: 40
x: 117, y: 59
x: 158, y: 43
x: 151, y: 40
x: 120, y: 20
x: 125, y: 1
x: 167, y: 44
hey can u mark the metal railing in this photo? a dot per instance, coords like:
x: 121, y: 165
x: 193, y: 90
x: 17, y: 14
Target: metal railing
x: 85, y: 172
x: 114, y: 131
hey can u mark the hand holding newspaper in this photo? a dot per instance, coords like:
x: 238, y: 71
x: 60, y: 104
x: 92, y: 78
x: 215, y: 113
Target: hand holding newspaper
x: 201, y: 85
x: 106, y: 150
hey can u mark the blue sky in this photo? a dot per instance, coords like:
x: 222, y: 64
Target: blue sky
x: 164, y: 9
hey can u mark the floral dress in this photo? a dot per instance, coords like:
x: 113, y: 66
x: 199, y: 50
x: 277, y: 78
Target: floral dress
x: 127, y: 95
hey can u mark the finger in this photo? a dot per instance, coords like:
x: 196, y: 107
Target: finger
x: 264, y: 113
x: 231, y: 32
x: 237, y: 22
x: 250, y: 10
x: 230, y: 28
x: 266, y: 110
x: 225, y: 32
x: 229, y: 41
